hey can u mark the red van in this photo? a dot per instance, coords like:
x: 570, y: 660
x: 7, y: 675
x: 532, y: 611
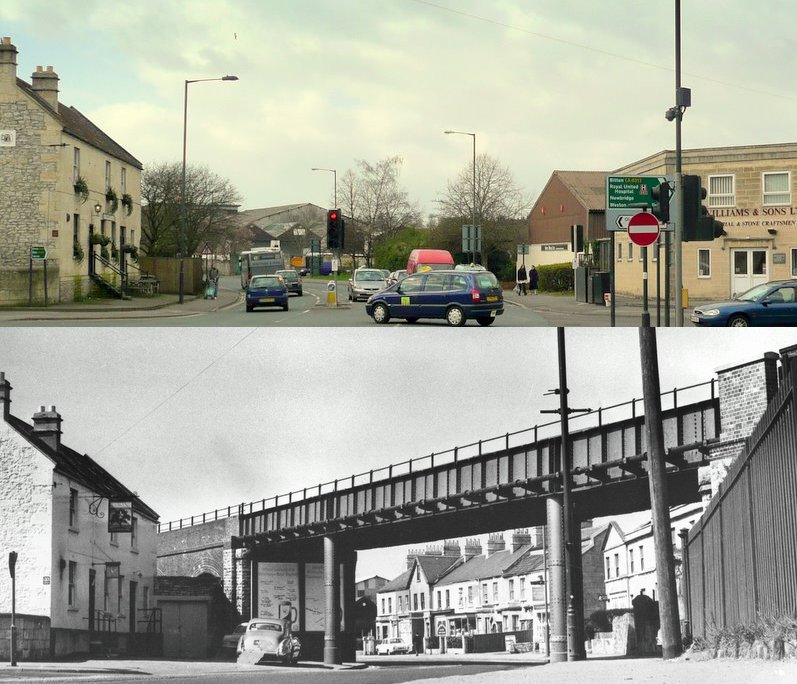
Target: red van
x: 429, y: 260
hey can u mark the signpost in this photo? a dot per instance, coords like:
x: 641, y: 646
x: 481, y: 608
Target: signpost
x: 12, y: 563
x: 643, y: 230
x: 37, y: 253
x: 472, y: 240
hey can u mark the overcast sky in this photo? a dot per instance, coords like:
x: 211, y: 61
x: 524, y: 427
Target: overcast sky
x: 545, y: 85
x: 195, y: 419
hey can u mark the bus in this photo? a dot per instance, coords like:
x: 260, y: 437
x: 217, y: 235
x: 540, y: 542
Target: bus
x: 259, y: 261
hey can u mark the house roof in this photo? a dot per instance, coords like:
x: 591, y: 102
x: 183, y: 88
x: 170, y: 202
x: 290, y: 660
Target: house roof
x: 79, y: 126
x: 399, y: 584
x: 529, y: 563
x: 82, y: 469
x: 588, y: 187
x: 435, y: 566
x: 257, y: 215
x: 481, y: 567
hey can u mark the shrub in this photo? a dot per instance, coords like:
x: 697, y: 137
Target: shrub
x: 556, y: 277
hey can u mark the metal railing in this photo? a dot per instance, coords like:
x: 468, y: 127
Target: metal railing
x: 597, y: 418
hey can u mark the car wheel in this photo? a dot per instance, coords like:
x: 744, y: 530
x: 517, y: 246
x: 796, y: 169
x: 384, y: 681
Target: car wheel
x: 250, y: 309
x: 455, y: 316
x: 351, y: 299
x: 485, y: 320
x: 301, y: 294
x: 738, y: 321
x: 380, y: 313
x: 285, y: 306
x: 411, y: 320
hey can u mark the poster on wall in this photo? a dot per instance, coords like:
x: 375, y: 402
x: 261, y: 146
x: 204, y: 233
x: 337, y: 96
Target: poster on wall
x: 314, y: 604
x: 278, y: 591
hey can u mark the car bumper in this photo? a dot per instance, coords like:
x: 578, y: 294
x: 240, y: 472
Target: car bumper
x: 278, y: 300
x: 363, y: 294
x: 708, y: 321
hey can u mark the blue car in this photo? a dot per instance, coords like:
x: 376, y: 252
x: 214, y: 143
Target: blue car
x: 266, y: 290
x: 773, y: 303
x: 453, y: 295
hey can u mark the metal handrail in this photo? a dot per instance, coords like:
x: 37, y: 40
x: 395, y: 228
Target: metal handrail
x: 410, y: 465
x: 107, y: 264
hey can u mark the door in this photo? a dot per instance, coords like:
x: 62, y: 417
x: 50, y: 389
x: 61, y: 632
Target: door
x: 92, y: 598
x: 185, y: 629
x: 132, y: 611
x: 404, y: 300
x: 748, y: 269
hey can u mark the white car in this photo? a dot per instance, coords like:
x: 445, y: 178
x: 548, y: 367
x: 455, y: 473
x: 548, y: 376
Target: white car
x: 365, y: 282
x: 391, y: 646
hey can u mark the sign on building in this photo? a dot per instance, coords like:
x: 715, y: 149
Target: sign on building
x: 120, y: 516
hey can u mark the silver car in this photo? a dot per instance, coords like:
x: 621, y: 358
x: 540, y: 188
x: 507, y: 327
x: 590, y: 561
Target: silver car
x: 364, y: 282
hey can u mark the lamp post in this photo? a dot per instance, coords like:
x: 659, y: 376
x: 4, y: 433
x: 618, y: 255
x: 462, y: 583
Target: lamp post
x: 335, y: 180
x: 182, y: 191
x: 473, y: 135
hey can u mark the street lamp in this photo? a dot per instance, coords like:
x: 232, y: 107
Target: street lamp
x: 182, y: 192
x: 335, y: 179
x: 473, y: 135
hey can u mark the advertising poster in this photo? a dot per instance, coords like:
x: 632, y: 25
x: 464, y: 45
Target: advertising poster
x: 314, y: 604
x: 277, y: 585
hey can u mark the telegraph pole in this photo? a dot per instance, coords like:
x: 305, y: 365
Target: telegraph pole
x: 660, y: 513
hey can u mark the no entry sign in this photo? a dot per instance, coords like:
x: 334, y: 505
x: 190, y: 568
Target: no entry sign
x: 643, y: 229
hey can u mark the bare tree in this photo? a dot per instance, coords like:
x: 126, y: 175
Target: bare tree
x: 210, y: 208
x: 378, y: 207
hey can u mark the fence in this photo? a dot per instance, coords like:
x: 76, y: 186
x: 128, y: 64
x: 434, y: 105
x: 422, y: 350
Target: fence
x: 498, y: 641
x: 740, y: 560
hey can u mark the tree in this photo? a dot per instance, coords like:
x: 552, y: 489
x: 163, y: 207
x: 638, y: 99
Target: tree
x: 210, y: 209
x: 378, y: 207
x: 501, y: 210
x: 393, y: 253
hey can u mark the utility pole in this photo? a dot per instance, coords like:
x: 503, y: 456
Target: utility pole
x: 660, y: 512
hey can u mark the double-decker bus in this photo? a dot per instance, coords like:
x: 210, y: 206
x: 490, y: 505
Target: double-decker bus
x: 260, y: 260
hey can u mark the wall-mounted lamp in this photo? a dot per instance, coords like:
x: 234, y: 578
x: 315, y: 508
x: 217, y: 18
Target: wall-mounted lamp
x: 62, y: 564
x: 97, y: 208
x: 772, y: 231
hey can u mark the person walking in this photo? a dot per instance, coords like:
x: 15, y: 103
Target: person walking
x: 534, y: 279
x: 213, y: 277
x: 521, y: 279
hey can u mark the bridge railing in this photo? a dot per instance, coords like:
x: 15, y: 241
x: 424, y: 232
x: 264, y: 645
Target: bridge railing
x: 634, y: 408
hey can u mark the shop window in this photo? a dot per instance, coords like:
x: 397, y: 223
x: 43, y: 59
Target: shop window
x: 722, y: 191
x: 703, y: 263
x: 776, y: 188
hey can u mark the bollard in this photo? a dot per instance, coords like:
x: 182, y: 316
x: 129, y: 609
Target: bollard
x: 332, y: 293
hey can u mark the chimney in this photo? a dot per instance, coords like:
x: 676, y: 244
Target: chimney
x: 411, y: 554
x: 47, y: 426
x: 495, y: 543
x: 520, y: 538
x: 473, y: 548
x: 45, y: 84
x: 8, y: 62
x: 452, y: 548
x: 5, y: 396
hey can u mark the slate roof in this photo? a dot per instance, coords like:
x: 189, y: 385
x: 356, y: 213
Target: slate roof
x: 482, y: 567
x: 399, y: 584
x: 525, y: 565
x: 435, y: 566
x: 78, y: 126
x: 82, y: 469
x: 588, y: 187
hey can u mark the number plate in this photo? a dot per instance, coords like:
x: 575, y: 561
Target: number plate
x: 492, y: 298
x: 266, y: 300
x: 492, y: 314
x: 694, y: 318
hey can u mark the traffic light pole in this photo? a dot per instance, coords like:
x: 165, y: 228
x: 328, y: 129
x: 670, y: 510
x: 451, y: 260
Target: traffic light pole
x: 678, y: 185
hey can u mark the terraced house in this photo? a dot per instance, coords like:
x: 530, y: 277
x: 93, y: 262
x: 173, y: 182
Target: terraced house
x: 69, y: 191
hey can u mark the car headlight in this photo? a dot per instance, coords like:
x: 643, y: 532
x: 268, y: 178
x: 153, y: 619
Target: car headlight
x: 711, y: 312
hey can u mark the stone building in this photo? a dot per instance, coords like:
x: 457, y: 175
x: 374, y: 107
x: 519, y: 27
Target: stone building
x: 63, y: 179
x: 79, y: 587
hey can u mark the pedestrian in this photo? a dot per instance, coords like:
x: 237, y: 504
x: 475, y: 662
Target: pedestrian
x: 521, y: 279
x: 213, y: 277
x: 416, y: 643
x: 534, y: 279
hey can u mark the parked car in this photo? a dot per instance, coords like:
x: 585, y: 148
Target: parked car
x: 392, y: 646
x: 453, y: 295
x: 773, y: 303
x: 229, y: 642
x: 364, y: 282
x: 394, y: 277
x: 270, y: 637
x: 292, y: 280
x: 303, y: 271
x: 266, y: 290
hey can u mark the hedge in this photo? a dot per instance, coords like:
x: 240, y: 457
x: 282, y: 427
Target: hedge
x: 556, y: 277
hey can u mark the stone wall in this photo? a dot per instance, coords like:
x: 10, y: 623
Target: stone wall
x: 33, y: 637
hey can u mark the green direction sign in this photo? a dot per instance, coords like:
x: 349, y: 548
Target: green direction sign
x: 626, y: 195
x: 37, y: 252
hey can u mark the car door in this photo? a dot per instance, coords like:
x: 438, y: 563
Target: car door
x: 433, y: 298
x: 780, y: 307
x: 406, y: 297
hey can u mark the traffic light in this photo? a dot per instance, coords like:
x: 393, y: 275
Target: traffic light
x: 334, y: 229
x: 661, y: 205
x: 699, y: 224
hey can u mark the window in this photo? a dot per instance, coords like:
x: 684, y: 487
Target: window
x: 703, y: 263
x: 511, y: 590
x: 390, y: 605
x: 522, y: 583
x: 423, y: 601
x: 415, y: 601
x: 124, y: 180
x: 418, y: 576
x: 435, y: 282
x: 75, y: 234
x: 134, y: 534
x: 383, y: 606
x: 145, y: 600
x: 777, y: 188
x: 113, y: 233
x: 721, y: 191
x: 119, y: 594
x: 631, y: 559
x: 619, y: 251
x: 484, y: 592
x: 115, y: 538
x: 439, y: 599
x: 132, y: 236
x: 72, y: 591
x: 630, y: 251
x: 495, y: 592
x: 448, y: 604
x: 75, y: 165
x: 793, y: 262
x: 608, y: 567
x: 616, y: 564
x: 641, y: 558
x: 107, y: 175
x: 73, y: 508
x: 461, y: 598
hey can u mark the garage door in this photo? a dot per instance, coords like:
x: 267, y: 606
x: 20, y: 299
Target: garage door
x: 185, y: 629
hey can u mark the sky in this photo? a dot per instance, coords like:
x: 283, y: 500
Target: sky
x: 544, y: 85
x: 195, y: 419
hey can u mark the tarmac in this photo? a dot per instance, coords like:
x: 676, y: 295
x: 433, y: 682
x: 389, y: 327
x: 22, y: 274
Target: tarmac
x: 167, y: 305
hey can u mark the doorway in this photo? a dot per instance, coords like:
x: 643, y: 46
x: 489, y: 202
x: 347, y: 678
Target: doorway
x: 748, y: 269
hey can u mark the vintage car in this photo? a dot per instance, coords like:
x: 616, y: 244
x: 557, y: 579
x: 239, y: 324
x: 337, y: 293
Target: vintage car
x: 229, y: 642
x: 268, y: 639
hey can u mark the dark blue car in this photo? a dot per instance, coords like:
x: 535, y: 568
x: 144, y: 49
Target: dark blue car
x: 453, y: 295
x: 266, y: 290
x: 773, y: 303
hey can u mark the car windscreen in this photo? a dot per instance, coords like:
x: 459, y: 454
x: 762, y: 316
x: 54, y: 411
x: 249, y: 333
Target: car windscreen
x: 485, y: 280
x: 257, y: 283
x: 369, y: 276
x: 266, y: 626
x: 754, y: 294
x: 288, y: 275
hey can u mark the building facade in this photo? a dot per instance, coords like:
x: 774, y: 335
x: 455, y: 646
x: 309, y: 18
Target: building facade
x: 64, y: 180
x: 78, y: 586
